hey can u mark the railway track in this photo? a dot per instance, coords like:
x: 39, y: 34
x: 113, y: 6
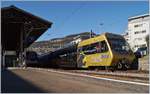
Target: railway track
x: 100, y: 71
x: 126, y: 75
x: 130, y: 75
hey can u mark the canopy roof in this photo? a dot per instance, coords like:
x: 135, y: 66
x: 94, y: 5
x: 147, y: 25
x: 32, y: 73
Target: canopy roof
x: 15, y: 22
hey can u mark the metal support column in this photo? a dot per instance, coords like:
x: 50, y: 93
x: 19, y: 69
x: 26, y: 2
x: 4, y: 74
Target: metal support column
x: 3, y: 59
x: 21, y: 48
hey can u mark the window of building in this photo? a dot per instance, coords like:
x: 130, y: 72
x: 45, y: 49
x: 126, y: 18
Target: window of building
x: 144, y: 31
x: 138, y: 25
x: 137, y: 32
x: 144, y: 45
x: 135, y: 25
x: 138, y: 38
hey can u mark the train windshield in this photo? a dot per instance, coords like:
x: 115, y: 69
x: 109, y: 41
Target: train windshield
x: 119, y: 45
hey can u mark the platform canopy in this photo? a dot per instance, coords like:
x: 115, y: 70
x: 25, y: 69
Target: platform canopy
x: 18, y: 24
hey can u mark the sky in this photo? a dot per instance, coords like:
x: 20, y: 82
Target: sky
x: 72, y: 17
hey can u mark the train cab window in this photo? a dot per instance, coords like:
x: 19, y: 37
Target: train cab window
x: 84, y: 48
x: 87, y: 49
x: 101, y: 47
x: 95, y: 47
x: 104, y: 47
x: 98, y: 47
x: 80, y: 49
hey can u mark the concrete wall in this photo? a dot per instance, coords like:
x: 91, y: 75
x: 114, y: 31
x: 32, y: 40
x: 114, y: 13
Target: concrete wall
x: 144, y: 63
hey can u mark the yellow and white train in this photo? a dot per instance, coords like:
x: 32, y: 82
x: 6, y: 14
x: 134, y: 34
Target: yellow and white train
x: 106, y: 50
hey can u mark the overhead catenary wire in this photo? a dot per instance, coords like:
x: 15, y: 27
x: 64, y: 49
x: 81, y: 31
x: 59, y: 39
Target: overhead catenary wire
x: 69, y: 17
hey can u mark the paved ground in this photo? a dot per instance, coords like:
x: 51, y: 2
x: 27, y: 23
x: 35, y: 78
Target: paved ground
x: 29, y: 80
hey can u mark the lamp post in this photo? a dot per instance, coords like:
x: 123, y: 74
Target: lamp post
x: 91, y: 32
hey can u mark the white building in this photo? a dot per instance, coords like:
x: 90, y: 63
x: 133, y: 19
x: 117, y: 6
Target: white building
x: 138, y: 29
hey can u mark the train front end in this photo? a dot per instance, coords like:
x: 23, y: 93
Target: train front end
x: 122, y: 55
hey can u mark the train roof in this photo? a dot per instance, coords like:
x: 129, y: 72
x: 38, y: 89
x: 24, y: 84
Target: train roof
x: 98, y: 38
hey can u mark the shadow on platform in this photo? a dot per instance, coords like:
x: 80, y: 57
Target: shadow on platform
x: 11, y: 83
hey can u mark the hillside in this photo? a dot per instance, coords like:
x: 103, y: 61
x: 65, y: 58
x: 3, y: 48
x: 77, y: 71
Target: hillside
x: 53, y: 44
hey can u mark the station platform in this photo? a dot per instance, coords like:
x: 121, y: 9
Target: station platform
x: 27, y: 80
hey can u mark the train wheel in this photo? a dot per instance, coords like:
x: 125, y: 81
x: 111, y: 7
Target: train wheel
x: 119, y: 65
x: 113, y: 68
x: 127, y: 66
x: 123, y: 65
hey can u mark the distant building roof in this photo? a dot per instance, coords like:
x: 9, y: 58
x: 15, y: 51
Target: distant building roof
x: 138, y: 16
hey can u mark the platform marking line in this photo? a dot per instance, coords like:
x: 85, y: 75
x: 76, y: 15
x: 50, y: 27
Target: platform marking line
x: 100, y: 78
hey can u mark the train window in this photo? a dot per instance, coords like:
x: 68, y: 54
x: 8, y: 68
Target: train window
x: 119, y: 45
x: 84, y: 48
x: 80, y: 49
x: 99, y: 47
x: 104, y: 47
x: 90, y: 50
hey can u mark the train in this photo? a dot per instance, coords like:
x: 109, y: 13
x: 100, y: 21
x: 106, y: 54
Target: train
x: 105, y: 51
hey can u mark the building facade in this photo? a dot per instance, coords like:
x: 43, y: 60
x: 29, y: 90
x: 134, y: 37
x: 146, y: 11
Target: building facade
x: 138, y: 29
